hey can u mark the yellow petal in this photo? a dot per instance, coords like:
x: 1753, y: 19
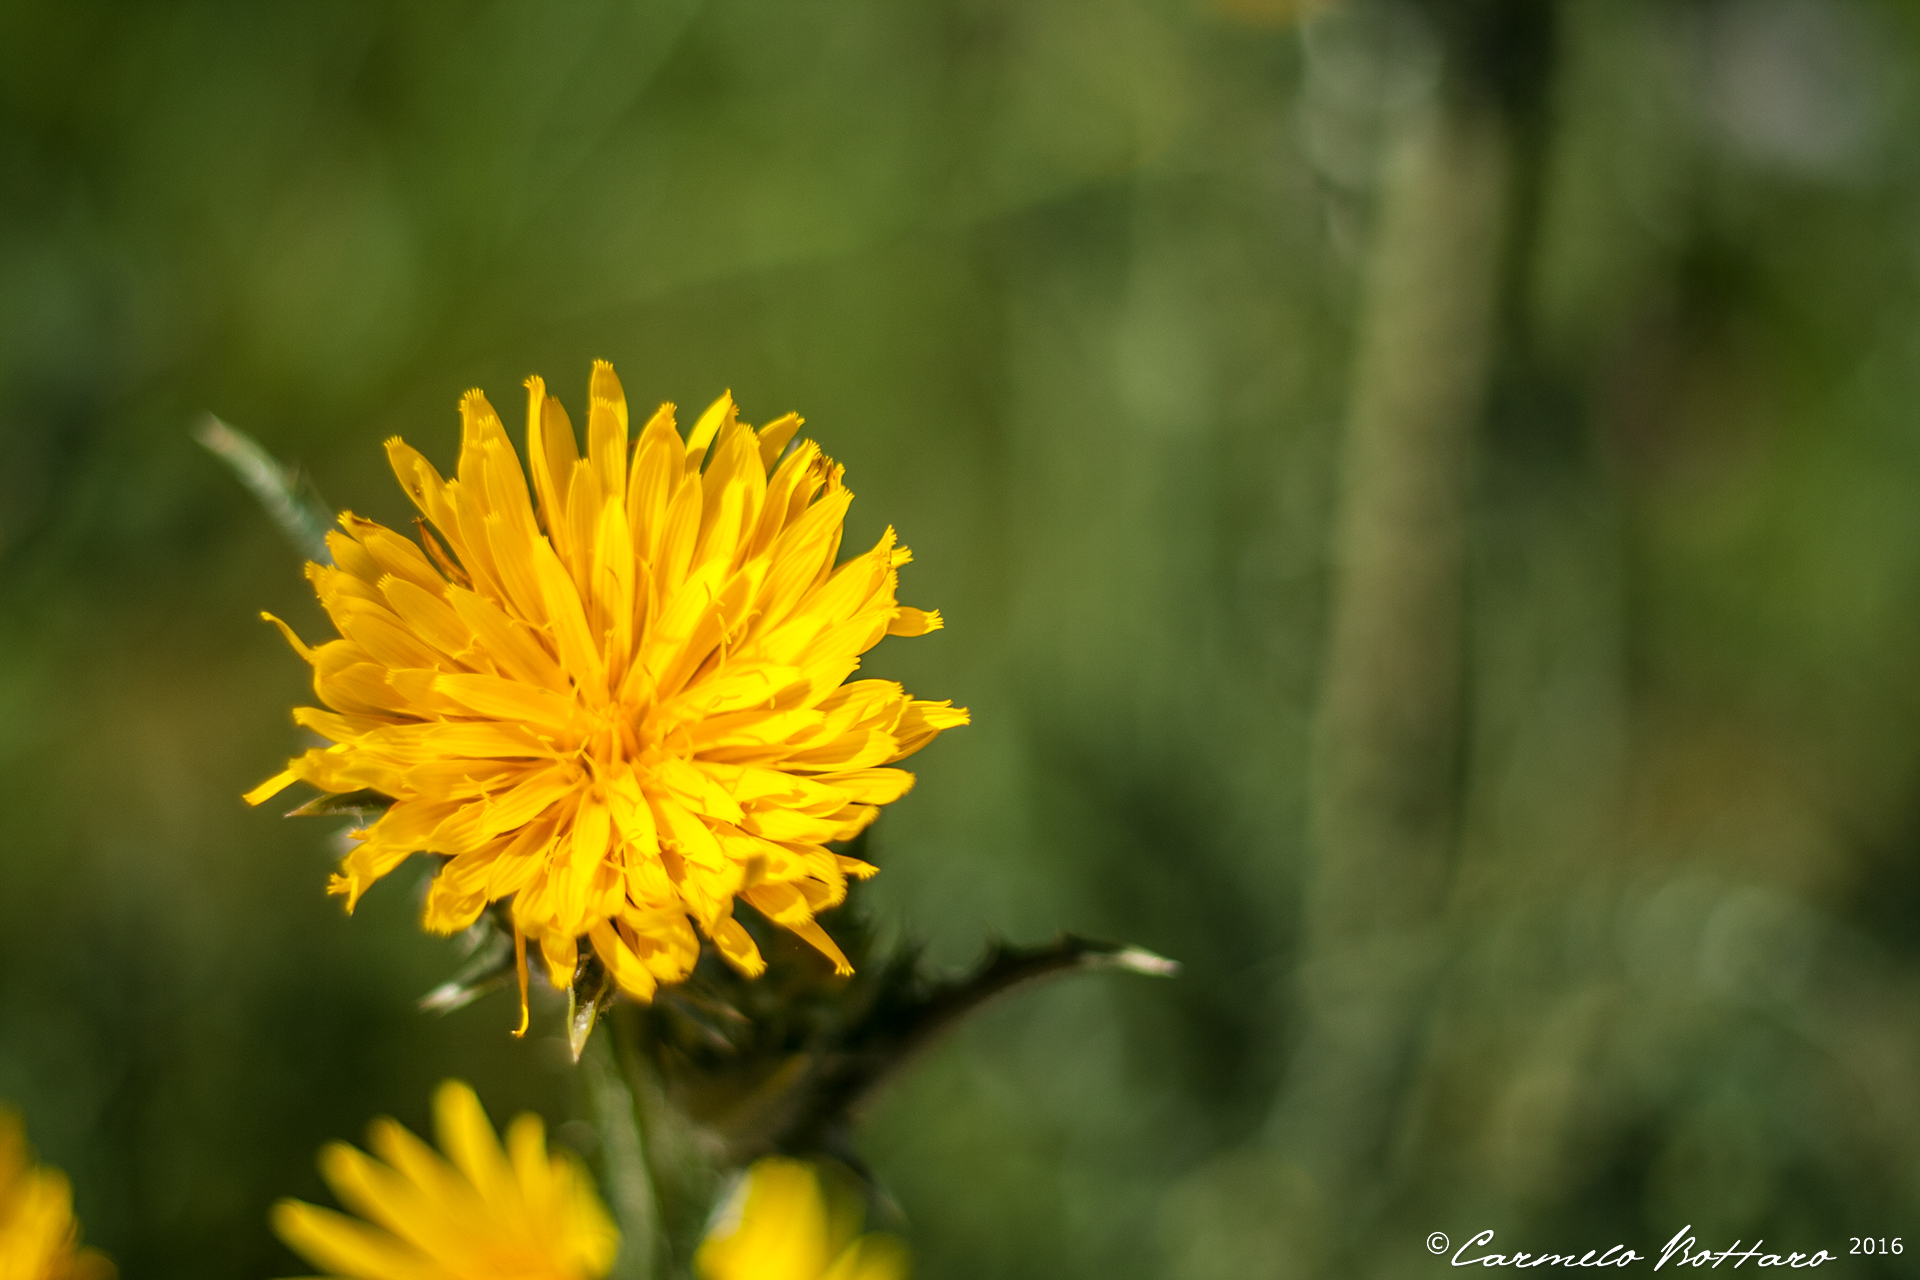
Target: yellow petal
x: 508, y: 699
x: 633, y: 977
x: 706, y: 428
x: 427, y: 614
x: 345, y: 1247
x: 737, y: 947
x: 658, y: 461
x: 270, y: 788
x: 908, y: 621
x: 812, y: 934
x: 396, y: 555
x: 774, y: 437
x: 562, y: 956
x: 607, y: 428
x: 551, y: 453
x: 298, y: 646
x: 870, y: 786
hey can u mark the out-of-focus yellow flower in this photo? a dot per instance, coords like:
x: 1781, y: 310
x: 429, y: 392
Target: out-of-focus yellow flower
x: 517, y: 1214
x: 618, y: 696
x: 780, y: 1225
x: 39, y: 1236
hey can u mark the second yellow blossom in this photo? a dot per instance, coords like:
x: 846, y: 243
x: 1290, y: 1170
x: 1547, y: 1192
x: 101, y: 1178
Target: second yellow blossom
x: 39, y: 1237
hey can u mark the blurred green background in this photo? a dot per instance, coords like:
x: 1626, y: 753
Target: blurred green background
x: 1079, y: 291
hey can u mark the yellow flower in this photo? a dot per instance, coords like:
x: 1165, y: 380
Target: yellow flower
x: 39, y: 1236
x: 780, y: 1227
x: 517, y: 1214
x: 616, y: 698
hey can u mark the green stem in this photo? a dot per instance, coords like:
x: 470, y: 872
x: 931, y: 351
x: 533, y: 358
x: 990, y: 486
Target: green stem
x: 288, y: 496
x: 628, y: 1185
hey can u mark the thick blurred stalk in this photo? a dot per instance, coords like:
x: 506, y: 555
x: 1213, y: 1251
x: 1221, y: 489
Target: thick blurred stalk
x: 628, y: 1181
x: 1387, y: 752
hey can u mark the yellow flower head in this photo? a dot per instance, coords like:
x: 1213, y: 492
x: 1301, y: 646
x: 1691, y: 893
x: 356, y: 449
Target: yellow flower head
x: 780, y: 1226
x: 39, y: 1236
x: 517, y: 1214
x: 615, y: 696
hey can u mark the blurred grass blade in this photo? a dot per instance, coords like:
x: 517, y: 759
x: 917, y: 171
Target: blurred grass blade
x: 288, y: 496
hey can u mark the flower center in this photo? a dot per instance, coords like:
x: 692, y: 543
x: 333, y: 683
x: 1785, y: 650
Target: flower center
x: 623, y: 737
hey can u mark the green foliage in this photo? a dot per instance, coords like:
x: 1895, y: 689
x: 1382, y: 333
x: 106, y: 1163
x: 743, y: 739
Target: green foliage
x: 1070, y: 287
